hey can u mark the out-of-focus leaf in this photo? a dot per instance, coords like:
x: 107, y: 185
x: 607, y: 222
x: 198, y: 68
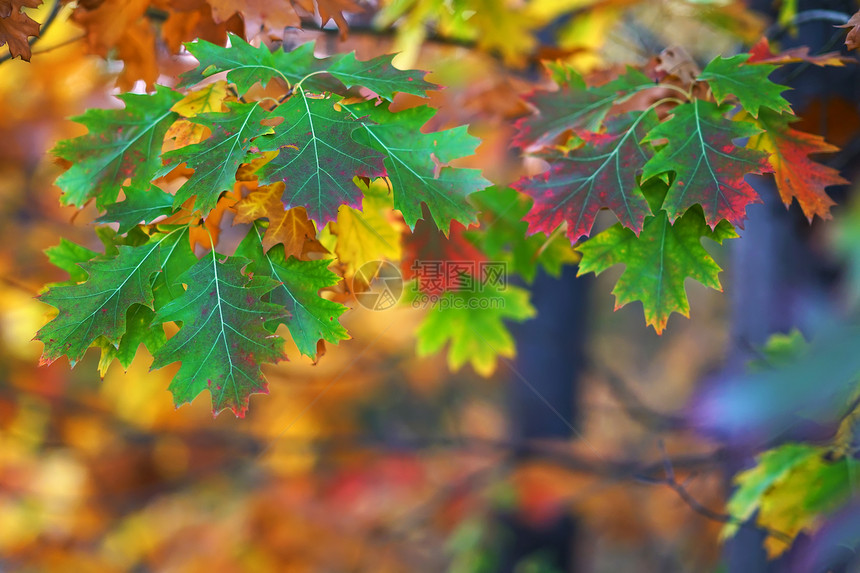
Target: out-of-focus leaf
x: 473, y: 323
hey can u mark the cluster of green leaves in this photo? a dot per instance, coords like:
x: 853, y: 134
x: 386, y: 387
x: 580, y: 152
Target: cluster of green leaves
x: 309, y: 136
x: 668, y: 156
x: 330, y: 128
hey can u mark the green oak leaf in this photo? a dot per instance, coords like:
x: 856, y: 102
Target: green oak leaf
x: 317, y: 157
x: 379, y: 76
x: 411, y: 166
x: 709, y: 168
x: 140, y: 329
x: 574, y: 105
x: 216, y: 159
x: 141, y: 205
x: 176, y: 258
x: 311, y: 317
x: 246, y: 65
x: 748, y: 83
x: 223, y: 340
x: 68, y: 256
x: 502, y: 235
x: 122, y: 144
x: 473, y: 323
x: 657, y: 262
x: 98, y: 306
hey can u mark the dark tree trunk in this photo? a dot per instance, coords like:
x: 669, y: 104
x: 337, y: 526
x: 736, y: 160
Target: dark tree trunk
x: 543, y: 399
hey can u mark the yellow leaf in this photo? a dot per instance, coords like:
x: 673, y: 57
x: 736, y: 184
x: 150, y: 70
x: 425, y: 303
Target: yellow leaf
x: 372, y: 234
x: 184, y: 132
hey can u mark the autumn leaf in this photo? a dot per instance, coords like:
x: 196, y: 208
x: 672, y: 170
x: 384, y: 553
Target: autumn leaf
x: 601, y: 173
x: 223, y: 341
x: 176, y: 258
x: 318, y: 157
x: 657, y: 262
x: 140, y: 206
x: 246, y: 65
x: 98, y: 306
x: 429, y: 254
x: 378, y: 75
x: 750, y: 84
x: 709, y: 168
x: 139, y: 329
x: 503, y: 235
x: 216, y: 159
x: 797, y: 176
x: 309, y: 317
x: 761, y: 53
x: 333, y: 10
x: 122, y: 145
x: 207, y: 232
x: 852, y: 40
x: 473, y: 323
x: 772, y: 467
x: 367, y: 235
x: 120, y: 28
x: 256, y: 14
x: 574, y: 105
x: 791, y: 487
x: 207, y: 99
x: 292, y: 228
x: 68, y: 256
x: 16, y: 26
x: 411, y: 162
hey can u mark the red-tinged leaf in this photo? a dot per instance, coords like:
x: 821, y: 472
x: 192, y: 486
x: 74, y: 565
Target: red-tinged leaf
x: 440, y: 263
x: 761, y: 53
x: 574, y: 106
x: 600, y: 174
x: 709, y: 168
x: 797, y: 176
x: 97, y: 307
x: 318, y: 159
x: 122, y: 144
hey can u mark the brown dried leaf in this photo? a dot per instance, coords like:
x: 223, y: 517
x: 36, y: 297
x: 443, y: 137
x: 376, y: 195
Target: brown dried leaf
x: 16, y: 27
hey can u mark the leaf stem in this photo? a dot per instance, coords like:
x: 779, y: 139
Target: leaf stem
x: 298, y: 85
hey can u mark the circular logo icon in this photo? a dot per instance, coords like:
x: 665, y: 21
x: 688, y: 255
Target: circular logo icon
x: 377, y: 285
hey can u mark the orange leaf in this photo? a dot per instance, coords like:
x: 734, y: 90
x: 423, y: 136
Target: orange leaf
x: 15, y: 26
x: 852, y: 41
x: 761, y: 53
x: 292, y: 227
x: 797, y: 176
